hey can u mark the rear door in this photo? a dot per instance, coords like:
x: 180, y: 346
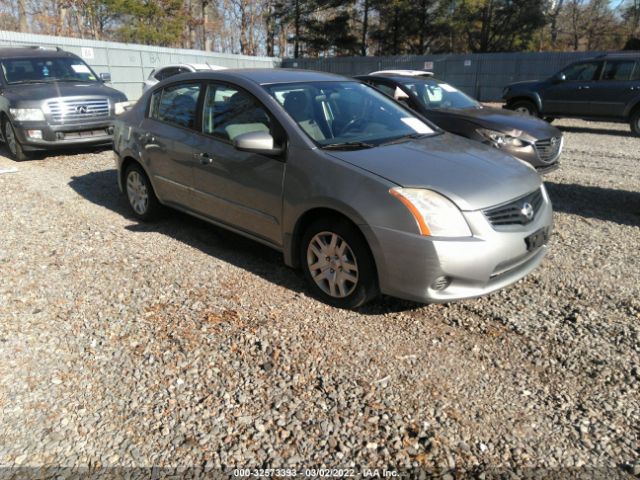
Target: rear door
x: 167, y: 136
x: 574, y: 95
x: 241, y: 189
x: 616, y: 88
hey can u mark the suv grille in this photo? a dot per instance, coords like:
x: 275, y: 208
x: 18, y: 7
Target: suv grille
x: 549, y: 149
x: 77, y: 111
x: 518, y: 212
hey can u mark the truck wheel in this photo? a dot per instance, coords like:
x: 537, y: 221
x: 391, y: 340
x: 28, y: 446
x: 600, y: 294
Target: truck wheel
x: 16, y: 152
x: 525, y: 107
x: 635, y: 122
x: 338, y: 264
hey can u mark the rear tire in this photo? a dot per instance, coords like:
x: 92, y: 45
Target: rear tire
x: 338, y: 264
x: 14, y: 147
x: 524, y: 107
x: 635, y: 122
x: 140, y: 195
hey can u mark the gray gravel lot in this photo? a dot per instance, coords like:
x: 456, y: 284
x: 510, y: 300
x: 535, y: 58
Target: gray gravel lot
x: 178, y: 344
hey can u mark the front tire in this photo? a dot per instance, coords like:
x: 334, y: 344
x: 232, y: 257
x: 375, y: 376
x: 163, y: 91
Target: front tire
x: 142, y: 199
x: 16, y: 152
x: 338, y: 264
x: 524, y: 107
x: 635, y: 122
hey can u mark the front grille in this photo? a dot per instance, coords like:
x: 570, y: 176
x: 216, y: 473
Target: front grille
x: 549, y: 149
x: 515, y: 212
x: 78, y: 111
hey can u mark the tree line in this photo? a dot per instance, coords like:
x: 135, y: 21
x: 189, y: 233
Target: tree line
x: 295, y: 28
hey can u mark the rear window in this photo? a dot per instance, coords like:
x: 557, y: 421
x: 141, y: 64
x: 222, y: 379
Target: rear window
x: 176, y: 104
x: 618, y: 70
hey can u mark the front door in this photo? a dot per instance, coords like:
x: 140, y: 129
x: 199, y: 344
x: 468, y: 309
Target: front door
x: 240, y: 189
x: 573, y: 95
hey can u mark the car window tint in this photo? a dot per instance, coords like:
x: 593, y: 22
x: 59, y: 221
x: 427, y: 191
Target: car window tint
x: 178, y: 105
x: 581, y: 71
x: 229, y: 112
x: 636, y: 73
x: 387, y: 89
x: 618, y: 70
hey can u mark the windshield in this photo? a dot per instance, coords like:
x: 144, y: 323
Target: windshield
x: 434, y: 94
x: 37, y: 70
x: 339, y: 113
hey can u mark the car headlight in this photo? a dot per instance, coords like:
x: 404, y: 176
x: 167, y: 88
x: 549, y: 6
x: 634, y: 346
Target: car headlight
x: 435, y: 214
x: 27, y: 114
x: 505, y: 91
x: 501, y: 139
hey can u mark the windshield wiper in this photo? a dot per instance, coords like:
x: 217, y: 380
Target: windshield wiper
x: 411, y: 136
x: 347, y: 146
x: 27, y: 81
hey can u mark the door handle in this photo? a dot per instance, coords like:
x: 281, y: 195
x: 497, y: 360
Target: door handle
x: 204, y: 158
x: 584, y: 87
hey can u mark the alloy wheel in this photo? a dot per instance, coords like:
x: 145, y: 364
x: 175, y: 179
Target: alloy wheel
x: 137, y: 192
x: 332, y: 264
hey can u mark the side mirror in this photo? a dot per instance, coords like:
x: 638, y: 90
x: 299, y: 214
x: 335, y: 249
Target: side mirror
x: 256, y: 142
x: 105, y: 76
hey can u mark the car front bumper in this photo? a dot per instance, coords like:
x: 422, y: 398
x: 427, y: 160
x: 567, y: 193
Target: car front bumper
x: 530, y: 154
x: 61, y: 136
x: 409, y: 264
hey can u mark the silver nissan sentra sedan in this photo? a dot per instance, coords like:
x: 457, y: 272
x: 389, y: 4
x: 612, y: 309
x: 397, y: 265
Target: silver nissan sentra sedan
x: 359, y: 192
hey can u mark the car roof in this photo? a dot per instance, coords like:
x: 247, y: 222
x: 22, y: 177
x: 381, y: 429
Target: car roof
x: 395, y: 77
x: 619, y: 56
x: 195, y: 66
x: 33, y: 52
x: 407, y: 73
x: 265, y: 76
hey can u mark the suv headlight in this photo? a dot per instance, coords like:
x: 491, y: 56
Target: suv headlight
x: 27, y: 114
x: 501, y: 139
x: 435, y: 214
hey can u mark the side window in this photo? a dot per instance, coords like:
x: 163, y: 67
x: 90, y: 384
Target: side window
x: 386, y: 89
x: 176, y: 104
x: 581, y: 72
x: 618, y: 70
x: 229, y: 112
x: 636, y: 73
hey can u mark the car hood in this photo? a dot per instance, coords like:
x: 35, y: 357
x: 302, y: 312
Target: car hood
x: 42, y: 91
x: 507, y: 121
x: 470, y: 174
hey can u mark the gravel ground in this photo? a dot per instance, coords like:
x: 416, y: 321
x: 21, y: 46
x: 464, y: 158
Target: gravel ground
x: 178, y: 344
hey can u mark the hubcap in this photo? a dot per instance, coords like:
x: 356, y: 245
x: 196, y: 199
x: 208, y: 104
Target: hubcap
x: 10, y: 138
x: 332, y: 264
x: 137, y: 192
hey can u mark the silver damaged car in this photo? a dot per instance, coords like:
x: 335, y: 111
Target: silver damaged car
x: 357, y: 191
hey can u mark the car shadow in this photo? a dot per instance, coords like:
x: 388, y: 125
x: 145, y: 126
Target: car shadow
x: 620, y: 206
x: 101, y: 189
x: 617, y: 132
x: 44, y: 154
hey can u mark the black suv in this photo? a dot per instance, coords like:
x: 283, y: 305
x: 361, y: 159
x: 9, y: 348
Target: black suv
x: 51, y: 98
x: 601, y: 88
